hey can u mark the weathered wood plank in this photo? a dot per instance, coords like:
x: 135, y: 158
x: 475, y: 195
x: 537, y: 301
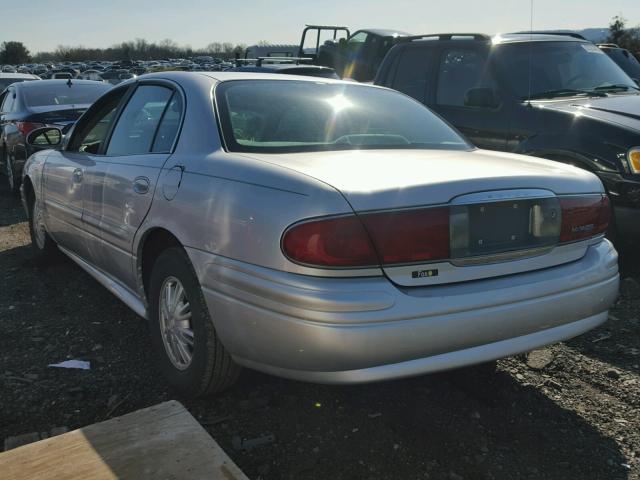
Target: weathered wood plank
x: 159, y: 442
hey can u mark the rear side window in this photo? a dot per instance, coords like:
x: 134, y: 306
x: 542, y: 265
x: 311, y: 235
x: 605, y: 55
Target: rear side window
x: 411, y: 73
x: 461, y: 70
x: 169, y: 126
x: 7, y: 105
x: 136, y: 128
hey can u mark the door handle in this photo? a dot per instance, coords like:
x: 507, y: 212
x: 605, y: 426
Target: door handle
x: 77, y: 175
x: 141, y: 185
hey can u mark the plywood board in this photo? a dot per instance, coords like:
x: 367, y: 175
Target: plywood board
x: 159, y: 442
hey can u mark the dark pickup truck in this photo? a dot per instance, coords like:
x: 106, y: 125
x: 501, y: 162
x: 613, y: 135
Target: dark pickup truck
x: 551, y: 96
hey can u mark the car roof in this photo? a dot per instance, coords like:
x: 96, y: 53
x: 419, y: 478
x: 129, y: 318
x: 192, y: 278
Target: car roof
x: 229, y: 76
x: 280, y: 66
x: 498, y: 39
x: 385, y: 32
x: 533, y: 37
x: 18, y: 75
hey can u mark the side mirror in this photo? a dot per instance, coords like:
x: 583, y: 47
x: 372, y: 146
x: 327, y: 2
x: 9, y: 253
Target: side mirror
x: 342, y: 43
x: 637, y: 80
x: 46, y: 137
x: 481, y: 98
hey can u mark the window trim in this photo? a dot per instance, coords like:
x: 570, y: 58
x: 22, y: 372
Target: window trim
x: 175, y: 88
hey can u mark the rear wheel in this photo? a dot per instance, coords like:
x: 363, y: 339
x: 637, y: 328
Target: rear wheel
x: 44, y: 248
x: 190, y: 355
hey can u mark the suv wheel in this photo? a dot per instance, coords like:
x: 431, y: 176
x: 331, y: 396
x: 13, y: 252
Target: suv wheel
x: 190, y: 354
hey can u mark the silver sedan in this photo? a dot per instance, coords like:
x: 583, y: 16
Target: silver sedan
x: 316, y: 229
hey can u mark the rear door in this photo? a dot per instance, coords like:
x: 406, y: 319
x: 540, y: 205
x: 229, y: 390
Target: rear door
x: 142, y: 141
x: 467, y: 96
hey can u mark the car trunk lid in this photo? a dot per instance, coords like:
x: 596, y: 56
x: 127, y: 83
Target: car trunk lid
x: 498, y: 208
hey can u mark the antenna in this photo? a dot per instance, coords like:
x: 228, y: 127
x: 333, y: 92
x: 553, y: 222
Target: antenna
x: 530, y: 52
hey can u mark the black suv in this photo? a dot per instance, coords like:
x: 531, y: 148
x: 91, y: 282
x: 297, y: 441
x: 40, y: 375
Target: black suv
x: 550, y: 96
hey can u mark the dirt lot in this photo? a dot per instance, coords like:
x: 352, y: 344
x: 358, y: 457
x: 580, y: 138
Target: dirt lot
x: 570, y: 411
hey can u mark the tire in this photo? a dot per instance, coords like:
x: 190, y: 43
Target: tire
x: 14, y: 184
x: 44, y: 248
x: 209, y: 369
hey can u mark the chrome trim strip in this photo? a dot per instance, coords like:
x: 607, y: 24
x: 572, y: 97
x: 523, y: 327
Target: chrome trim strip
x: 501, y: 257
x: 120, y: 291
x: 502, y: 196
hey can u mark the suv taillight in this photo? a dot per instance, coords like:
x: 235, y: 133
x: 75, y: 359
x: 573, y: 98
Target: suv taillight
x: 411, y: 236
x: 584, y: 217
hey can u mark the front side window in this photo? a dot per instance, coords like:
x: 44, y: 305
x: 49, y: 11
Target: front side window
x: 136, y: 127
x: 296, y: 116
x: 462, y: 72
x: 92, y: 130
x: 356, y: 41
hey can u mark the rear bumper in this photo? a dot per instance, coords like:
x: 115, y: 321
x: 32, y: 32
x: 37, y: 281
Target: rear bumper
x: 334, y: 330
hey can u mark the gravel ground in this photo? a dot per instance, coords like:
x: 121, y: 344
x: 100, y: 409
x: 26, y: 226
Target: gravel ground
x: 568, y: 411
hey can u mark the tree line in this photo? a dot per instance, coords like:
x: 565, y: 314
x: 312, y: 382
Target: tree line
x: 13, y: 53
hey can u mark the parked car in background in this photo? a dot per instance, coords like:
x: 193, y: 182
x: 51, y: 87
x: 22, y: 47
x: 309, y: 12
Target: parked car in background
x: 7, y: 79
x: 624, y: 59
x: 550, y: 96
x: 315, y: 229
x: 356, y: 56
x: 29, y: 105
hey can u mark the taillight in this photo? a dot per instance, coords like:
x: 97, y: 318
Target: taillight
x: 584, y: 217
x: 27, y: 127
x: 330, y: 242
x: 410, y: 236
x: 389, y: 237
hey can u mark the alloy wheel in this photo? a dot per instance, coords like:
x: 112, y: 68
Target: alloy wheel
x: 175, y: 323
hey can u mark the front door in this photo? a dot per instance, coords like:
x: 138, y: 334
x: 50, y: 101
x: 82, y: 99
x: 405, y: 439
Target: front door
x: 72, y: 176
x: 139, y: 146
x: 466, y: 95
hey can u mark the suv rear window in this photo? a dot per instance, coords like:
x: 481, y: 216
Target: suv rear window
x: 296, y: 116
x: 411, y: 73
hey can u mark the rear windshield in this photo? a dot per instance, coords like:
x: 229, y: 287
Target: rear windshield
x: 272, y: 116
x: 63, y: 94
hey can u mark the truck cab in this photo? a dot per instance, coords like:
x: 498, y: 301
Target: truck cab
x: 352, y: 55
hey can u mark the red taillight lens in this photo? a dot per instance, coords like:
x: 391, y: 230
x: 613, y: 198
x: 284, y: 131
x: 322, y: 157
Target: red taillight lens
x: 27, y: 127
x: 584, y: 217
x: 410, y: 236
x: 332, y: 242
x: 398, y: 237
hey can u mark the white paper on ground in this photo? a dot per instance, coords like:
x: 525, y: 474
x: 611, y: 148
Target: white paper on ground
x: 81, y: 364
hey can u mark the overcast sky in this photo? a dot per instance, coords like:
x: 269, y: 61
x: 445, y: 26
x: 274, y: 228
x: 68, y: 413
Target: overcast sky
x: 45, y: 24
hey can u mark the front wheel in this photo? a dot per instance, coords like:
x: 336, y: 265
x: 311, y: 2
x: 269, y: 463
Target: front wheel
x: 190, y: 354
x: 44, y: 248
